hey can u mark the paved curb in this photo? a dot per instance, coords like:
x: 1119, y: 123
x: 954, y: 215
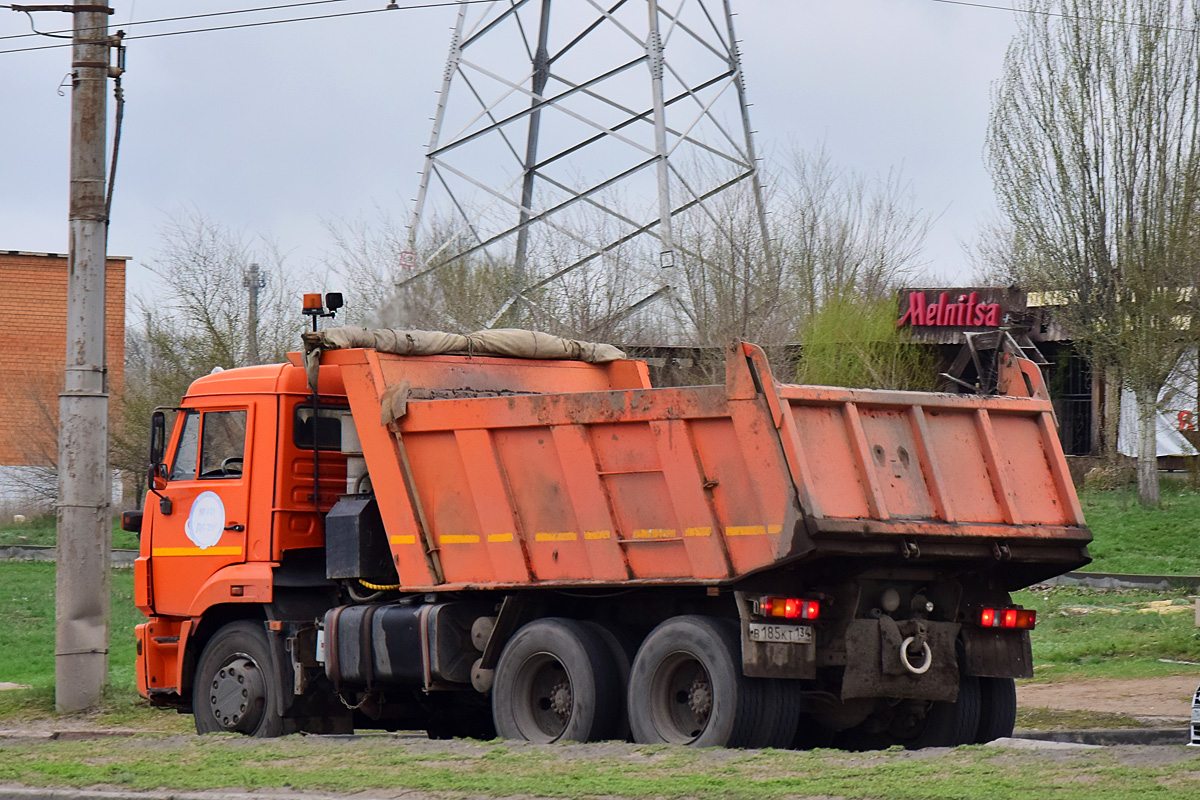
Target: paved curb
x: 120, y: 558
x: 1111, y: 736
x: 1118, y: 580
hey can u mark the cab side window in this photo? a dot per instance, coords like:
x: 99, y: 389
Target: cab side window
x: 184, y: 467
x: 223, y: 444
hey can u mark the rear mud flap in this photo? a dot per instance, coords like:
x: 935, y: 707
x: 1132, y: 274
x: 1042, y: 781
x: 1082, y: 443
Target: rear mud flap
x: 998, y: 653
x: 875, y: 667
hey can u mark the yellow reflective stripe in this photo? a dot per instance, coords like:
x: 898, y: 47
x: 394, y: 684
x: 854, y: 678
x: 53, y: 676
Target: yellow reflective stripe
x: 459, y: 538
x: 404, y: 538
x: 752, y: 530
x: 196, y: 551
x: 565, y: 536
x: 654, y: 533
x: 500, y: 537
x: 597, y: 534
x: 698, y: 532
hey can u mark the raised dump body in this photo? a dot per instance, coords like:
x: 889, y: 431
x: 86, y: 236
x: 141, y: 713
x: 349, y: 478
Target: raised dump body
x: 555, y: 550
x: 612, y: 481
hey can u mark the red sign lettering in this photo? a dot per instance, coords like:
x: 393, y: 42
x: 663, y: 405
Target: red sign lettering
x: 966, y: 313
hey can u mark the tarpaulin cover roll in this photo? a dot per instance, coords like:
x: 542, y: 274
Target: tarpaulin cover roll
x: 510, y: 342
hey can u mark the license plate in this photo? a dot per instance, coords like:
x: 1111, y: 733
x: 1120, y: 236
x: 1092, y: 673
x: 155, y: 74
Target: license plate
x: 791, y: 634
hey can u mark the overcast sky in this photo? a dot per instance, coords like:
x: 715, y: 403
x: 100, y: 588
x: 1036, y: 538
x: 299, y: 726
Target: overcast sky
x: 276, y: 129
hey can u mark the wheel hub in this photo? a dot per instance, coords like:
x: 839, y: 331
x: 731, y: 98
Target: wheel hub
x: 700, y: 698
x: 237, y: 695
x: 561, y: 699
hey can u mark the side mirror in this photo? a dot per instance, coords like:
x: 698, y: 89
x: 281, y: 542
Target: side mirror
x: 158, y: 446
x: 157, y: 477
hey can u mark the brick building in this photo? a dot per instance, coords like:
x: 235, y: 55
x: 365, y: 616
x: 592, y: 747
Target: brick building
x: 34, y: 286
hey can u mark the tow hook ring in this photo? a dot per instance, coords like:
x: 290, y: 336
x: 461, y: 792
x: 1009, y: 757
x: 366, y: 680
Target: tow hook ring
x: 926, y: 662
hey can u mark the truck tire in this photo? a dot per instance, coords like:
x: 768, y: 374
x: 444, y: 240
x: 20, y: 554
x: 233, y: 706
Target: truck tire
x: 686, y: 687
x: 622, y: 646
x: 784, y: 700
x: 997, y: 709
x: 944, y: 724
x: 951, y: 724
x: 916, y: 724
x: 237, y: 687
x: 556, y: 681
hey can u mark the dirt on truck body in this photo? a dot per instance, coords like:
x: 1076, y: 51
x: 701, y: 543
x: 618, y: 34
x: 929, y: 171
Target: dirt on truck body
x: 555, y: 550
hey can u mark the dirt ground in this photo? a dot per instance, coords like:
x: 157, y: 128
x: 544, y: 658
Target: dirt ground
x: 1166, y: 699
x: 1156, y: 701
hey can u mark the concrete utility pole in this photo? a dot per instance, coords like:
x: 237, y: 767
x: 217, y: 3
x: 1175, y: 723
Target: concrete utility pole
x: 84, y: 479
x: 254, y: 280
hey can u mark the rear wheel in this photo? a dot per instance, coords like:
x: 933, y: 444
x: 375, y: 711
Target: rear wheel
x: 997, y: 709
x: 943, y: 724
x: 914, y: 724
x: 784, y: 701
x: 236, y: 688
x: 556, y: 681
x: 622, y: 646
x: 686, y: 687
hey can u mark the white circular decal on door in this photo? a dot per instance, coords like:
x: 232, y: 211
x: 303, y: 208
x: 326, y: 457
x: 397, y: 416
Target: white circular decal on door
x: 206, y: 520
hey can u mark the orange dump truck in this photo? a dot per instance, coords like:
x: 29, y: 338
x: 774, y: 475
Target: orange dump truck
x: 554, y: 550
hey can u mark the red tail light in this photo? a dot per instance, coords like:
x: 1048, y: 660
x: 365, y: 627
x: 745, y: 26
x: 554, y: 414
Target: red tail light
x: 1021, y: 618
x: 788, y: 607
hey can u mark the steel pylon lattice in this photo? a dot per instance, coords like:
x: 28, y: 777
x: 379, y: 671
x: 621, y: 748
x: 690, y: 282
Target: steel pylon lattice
x: 630, y: 116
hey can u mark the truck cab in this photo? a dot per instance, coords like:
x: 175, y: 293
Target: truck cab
x: 233, y: 516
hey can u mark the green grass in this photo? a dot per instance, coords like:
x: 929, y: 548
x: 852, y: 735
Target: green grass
x: 1110, y: 634
x: 27, y: 654
x: 508, y: 769
x: 41, y: 531
x: 1132, y: 539
x: 27, y: 608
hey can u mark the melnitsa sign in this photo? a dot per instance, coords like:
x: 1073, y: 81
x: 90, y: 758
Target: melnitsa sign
x: 951, y: 309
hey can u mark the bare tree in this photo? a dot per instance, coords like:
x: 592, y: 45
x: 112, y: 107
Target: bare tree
x: 1094, y: 146
x: 472, y: 292
x: 196, y: 317
x: 845, y: 235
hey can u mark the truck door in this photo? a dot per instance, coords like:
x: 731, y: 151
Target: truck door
x: 209, y: 488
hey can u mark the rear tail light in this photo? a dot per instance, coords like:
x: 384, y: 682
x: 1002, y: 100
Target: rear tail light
x: 788, y: 607
x: 1021, y: 618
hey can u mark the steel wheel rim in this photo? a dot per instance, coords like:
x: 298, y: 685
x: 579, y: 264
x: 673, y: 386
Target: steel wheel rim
x: 681, y: 698
x: 545, y: 698
x: 237, y: 694
x: 910, y: 720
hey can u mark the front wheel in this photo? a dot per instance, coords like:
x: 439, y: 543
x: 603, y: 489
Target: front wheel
x: 236, y: 689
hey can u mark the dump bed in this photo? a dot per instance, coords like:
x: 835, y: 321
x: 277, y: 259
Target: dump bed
x: 518, y: 473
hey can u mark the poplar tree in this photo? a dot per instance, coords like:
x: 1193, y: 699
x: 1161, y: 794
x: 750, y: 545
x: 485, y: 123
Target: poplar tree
x: 1094, y: 147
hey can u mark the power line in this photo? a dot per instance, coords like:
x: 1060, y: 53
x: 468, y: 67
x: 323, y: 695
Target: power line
x: 180, y: 19
x: 1061, y: 15
x: 472, y: 2
x: 413, y: 7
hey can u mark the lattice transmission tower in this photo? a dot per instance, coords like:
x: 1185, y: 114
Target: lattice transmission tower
x: 572, y: 144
